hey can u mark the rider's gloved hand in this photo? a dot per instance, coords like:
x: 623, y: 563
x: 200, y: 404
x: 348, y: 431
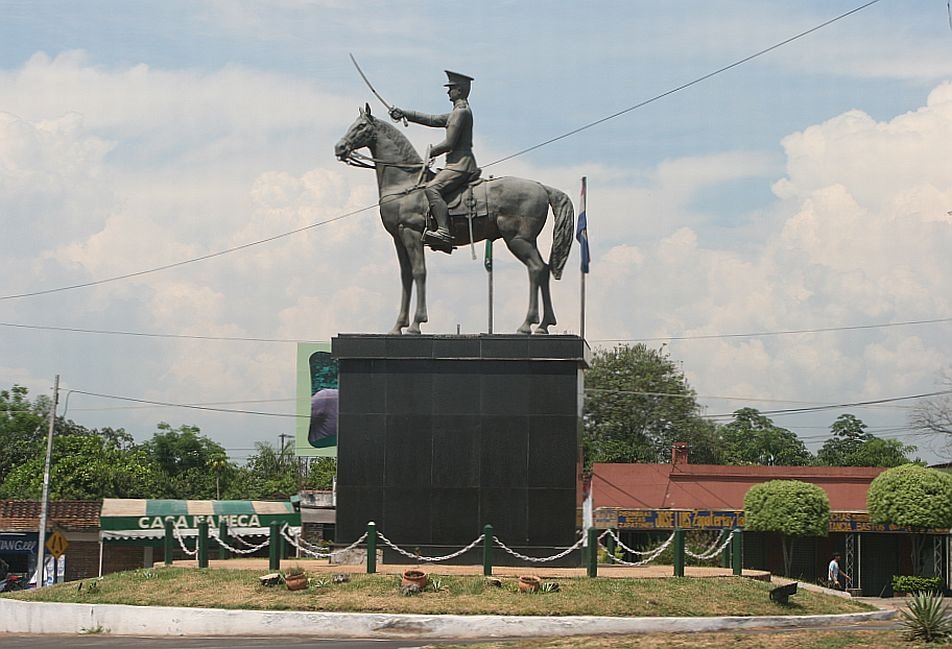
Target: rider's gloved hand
x: 396, y: 114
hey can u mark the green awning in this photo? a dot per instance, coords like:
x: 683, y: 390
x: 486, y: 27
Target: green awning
x: 140, y: 518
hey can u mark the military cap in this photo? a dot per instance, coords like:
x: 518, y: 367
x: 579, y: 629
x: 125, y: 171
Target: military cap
x: 457, y: 79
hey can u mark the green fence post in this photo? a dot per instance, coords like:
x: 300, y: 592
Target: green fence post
x: 223, y: 537
x: 274, y: 547
x: 737, y: 552
x: 371, y: 548
x: 168, y: 542
x: 488, y: 550
x: 678, y: 552
x: 592, y: 552
x: 202, y: 546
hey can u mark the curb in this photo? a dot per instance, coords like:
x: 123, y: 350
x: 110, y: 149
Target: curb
x: 115, y: 619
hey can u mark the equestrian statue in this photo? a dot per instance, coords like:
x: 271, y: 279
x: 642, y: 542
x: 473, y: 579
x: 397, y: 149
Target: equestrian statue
x: 454, y: 205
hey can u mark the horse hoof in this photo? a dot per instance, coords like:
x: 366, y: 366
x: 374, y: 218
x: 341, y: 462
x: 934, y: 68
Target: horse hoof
x: 414, y: 331
x: 541, y: 331
x: 525, y: 330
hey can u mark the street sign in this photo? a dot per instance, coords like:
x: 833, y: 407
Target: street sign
x: 57, y: 544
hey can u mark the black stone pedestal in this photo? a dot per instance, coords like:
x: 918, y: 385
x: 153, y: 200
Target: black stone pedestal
x: 441, y: 435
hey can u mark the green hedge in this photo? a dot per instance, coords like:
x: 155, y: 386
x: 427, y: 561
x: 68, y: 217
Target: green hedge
x: 913, y: 584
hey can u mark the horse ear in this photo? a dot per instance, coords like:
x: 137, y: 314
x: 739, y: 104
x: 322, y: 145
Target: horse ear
x: 361, y: 111
x: 367, y: 108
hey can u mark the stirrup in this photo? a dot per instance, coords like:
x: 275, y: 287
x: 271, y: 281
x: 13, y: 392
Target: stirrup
x: 437, y: 242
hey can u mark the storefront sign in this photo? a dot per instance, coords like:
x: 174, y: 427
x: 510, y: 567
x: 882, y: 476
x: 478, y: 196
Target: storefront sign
x: 18, y: 543
x: 667, y: 519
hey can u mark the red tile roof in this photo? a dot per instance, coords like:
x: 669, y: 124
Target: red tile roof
x: 75, y: 515
x: 706, y: 486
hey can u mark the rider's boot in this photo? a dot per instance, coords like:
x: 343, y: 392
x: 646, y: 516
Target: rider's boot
x: 441, y: 239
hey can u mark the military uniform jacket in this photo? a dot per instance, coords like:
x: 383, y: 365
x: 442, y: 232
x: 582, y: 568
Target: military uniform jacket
x: 458, y: 144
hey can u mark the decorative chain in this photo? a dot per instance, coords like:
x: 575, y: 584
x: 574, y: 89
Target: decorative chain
x: 577, y: 545
x: 652, y: 554
x: 248, y: 550
x: 714, y: 549
x: 637, y: 552
x: 297, y: 541
x: 431, y: 559
x: 181, y: 542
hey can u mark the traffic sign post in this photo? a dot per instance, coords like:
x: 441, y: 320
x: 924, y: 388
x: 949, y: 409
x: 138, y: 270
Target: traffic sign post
x: 57, y: 544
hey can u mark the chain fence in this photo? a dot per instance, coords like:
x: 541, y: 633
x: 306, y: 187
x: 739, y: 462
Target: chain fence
x: 431, y: 559
x: 650, y: 555
x: 714, y: 548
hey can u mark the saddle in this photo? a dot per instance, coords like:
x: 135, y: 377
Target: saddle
x: 468, y: 202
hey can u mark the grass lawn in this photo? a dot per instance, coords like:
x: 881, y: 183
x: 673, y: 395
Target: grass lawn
x: 241, y: 589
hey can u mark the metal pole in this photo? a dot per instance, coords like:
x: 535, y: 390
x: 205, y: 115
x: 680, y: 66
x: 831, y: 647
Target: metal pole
x: 41, y: 546
x: 488, y: 550
x: 274, y: 547
x: 737, y: 547
x: 678, y: 552
x: 202, y: 545
x: 489, y: 272
x: 168, y: 542
x: 371, y: 548
x: 581, y: 327
x: 592, y: 552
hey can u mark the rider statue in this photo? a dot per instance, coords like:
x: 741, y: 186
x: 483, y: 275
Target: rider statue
x: 458, y: 147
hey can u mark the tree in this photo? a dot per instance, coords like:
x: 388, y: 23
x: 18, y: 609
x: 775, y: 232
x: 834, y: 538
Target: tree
x: 269, y: 473
x: 637, y: 404
x: 914, y: 497
x: 83, y: 467
x: 935, y: 415
x: 23, y: 426
x: 752, y: 438
x: 851, y: 445
x: 790, y: 508
x: 184, y: 459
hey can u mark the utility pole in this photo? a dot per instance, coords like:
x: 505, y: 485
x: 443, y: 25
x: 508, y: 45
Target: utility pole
x: 282, y: 437
x: 44, y: 509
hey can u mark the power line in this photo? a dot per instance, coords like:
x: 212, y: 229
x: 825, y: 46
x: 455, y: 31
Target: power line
x: 684, y: 86
x: 494, y: 162
x: 189, y: 406
x: 262, y: 339
x: 854, y: 404
x: 145, y: 334
x: 785, y: 332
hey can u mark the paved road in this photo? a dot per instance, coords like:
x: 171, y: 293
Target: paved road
x: 107, y: 642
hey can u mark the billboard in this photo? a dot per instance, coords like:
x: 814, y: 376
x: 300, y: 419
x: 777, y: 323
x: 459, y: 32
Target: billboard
x: 316, y: 434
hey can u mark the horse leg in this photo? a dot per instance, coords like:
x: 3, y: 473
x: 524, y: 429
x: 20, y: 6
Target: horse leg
x: 406, y: 279
x: 548, y: 313
x: 528, y: 254
x: 413, y: 246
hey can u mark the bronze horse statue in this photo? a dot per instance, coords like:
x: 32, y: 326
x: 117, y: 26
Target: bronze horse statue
x: 517, y: 212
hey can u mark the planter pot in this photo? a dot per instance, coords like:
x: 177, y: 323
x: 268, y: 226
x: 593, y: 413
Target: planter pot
x: 415, y: 577
x: 529, y: 584
x: 296, y: 582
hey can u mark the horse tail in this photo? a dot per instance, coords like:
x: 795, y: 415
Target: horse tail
x: 564, y: 230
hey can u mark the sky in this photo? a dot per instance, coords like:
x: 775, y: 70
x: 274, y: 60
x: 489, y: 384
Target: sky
x: 782, y: 226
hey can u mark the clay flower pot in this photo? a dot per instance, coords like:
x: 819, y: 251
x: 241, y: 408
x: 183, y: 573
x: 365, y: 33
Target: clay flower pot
x: 529, y: 584
x: 296, y: 582
x: 415, y: 577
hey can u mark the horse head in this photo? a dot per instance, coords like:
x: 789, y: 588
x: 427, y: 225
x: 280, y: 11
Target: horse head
x: 360, y: 134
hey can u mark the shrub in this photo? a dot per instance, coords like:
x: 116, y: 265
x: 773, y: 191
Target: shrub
x: 914, y: 584
x: 927, y: 618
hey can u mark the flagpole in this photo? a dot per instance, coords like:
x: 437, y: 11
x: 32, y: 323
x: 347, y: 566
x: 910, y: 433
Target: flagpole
x: 488, y: 263
x: 581, y: 329
x: 581, y: 234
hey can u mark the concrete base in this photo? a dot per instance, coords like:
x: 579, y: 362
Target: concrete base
x: 54, y: 618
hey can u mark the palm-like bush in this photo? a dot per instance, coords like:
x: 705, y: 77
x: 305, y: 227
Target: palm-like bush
x: 927, y: 618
